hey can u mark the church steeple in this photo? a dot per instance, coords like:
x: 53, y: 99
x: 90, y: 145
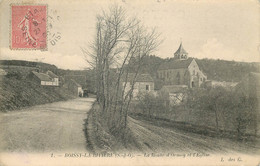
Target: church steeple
x: 181, y: 53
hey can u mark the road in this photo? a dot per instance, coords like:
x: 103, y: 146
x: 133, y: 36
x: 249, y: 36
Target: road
x: 50, y: 127
x: 157, y: 138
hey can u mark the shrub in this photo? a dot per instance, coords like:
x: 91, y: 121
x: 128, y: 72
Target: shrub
x: 151, y: 104
x: 14, y: 74
x: 232, y: 110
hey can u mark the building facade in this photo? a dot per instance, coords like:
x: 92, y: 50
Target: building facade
x: 143, y: 84
x: 75, y: 88
x: 181, y: 70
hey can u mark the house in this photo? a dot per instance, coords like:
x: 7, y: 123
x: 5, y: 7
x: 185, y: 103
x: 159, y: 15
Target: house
x: 181, y: 70
x: 54, y: 77
x: 45, y: 79
x: 74, y: 87
x: 143, y: 84
x: 176, y: 93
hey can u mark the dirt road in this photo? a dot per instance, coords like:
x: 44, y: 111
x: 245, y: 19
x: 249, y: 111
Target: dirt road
x: 156, y: 138
x: 50, y: 127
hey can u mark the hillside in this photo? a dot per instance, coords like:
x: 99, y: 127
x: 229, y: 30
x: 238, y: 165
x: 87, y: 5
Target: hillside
x: 220, y: 70
x: 83, y: 77
x: 17, y: 92
x: 28, y: 64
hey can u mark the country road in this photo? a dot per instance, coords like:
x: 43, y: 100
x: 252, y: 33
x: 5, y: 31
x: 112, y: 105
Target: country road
x: 159, y: 138
x: 50, y: 127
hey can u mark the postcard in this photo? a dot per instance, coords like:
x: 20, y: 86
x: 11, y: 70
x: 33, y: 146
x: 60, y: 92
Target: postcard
x: 120, y: 82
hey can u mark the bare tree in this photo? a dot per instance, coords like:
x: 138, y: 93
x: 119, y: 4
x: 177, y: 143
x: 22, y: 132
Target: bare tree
x: 118, y: 40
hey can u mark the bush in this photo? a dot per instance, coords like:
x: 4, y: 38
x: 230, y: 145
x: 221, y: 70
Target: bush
x: 224, y: 109
x: 14, y: 74
x: 151, y: 105
x: 232, y: 109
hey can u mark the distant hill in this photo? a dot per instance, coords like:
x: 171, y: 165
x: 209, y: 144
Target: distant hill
x: 223, y: 70
x: 220, y: 70
x: 43, y: 66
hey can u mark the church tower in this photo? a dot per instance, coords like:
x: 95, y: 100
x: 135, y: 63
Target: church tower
x: 181, y: 54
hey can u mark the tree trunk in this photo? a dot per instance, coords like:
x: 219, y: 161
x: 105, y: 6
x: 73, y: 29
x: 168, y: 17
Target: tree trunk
x: 216, y: 119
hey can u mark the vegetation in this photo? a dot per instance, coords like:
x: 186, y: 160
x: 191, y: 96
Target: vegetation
x: 17, y: 92
x: 20, y: 63
x: 225, y: 110
x: 222, y: 70
x: 232, y: 109
x: 119, y: 40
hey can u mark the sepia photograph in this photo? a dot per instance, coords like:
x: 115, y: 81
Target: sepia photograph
x: 120, y: 82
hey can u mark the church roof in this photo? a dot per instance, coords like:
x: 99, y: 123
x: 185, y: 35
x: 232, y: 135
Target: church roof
x: 175, y: 64
x: 181, y: 50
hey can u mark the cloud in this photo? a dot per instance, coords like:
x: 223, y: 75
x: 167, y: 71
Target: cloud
x: 214, y: 49
x: 74, y: 62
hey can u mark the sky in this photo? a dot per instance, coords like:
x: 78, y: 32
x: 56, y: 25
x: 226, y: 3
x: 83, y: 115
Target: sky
x: 215, y: 29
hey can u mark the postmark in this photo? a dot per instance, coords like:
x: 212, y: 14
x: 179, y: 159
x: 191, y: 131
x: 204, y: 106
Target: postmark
x: 28, y: 27
x: 53, y: 32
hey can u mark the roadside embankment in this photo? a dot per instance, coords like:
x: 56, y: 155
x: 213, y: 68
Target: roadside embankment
x: 18, y: 93
x: 97, y: 137
x: 103, y: 139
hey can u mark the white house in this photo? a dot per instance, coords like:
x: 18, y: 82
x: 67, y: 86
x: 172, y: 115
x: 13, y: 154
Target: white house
x: 48, y: 79
x: 143, y: 84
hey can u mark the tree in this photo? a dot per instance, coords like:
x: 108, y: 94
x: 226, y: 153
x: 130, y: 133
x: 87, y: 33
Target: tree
x: 213, y: 99
x: 119, y: 39
x: 232, y: 108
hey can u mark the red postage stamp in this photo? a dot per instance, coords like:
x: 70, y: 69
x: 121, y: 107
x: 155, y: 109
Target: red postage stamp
x: 28, y: 27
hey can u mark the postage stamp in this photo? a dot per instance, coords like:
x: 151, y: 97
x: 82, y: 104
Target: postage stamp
x: 28, y: 27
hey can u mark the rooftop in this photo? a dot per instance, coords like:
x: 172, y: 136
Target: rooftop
x: 181, y: 50
x: 42, y: 76
x: 51, y: 74
x: 175, y: 64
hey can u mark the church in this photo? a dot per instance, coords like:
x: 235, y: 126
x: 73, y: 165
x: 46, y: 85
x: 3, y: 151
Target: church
x: 181, y: 70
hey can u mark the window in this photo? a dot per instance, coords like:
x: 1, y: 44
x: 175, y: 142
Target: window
x: 193, y: 72
x: 178, y: 78
x: 192, y: 84
x: 147, y: 87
